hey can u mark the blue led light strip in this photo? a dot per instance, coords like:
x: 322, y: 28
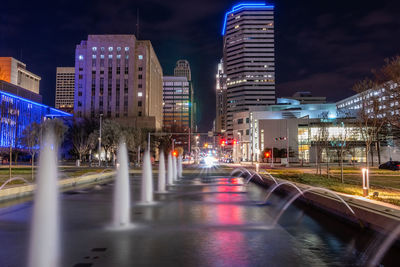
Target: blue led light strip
x: 240, y: 7
x: 35, y: 103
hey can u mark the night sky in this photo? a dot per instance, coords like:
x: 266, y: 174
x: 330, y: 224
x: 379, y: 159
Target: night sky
x: 321, y: 46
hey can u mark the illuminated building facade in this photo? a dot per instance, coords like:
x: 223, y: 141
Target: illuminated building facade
x: 182, y: 69
x: 176, y: 105
x: 220, y: 120
x: 249, y: 58
x: 16, y: 113
x: 119, y: 77
x: 65, y: 89
x: 15, y: 72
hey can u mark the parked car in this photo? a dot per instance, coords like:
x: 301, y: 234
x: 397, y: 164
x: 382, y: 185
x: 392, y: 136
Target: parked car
x: 390, y: 165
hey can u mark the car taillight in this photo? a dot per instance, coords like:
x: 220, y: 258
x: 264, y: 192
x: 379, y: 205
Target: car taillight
x: 398, y: 165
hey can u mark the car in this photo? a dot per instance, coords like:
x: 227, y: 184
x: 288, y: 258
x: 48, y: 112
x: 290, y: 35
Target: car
x: 229, y: 160
x: 390, y: 165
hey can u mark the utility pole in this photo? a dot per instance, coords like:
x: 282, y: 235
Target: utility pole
x: 287, y: 137
x: 10, y: 161
x: 148, y: 142
x: 101, y: 116
x: 189, y: 148
x: 138, y: 156
x: 272, y: 157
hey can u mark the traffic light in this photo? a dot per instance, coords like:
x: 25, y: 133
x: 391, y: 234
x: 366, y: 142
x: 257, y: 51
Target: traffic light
x: 223, y: 142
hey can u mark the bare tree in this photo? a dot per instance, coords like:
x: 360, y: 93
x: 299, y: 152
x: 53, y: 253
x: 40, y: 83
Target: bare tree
x: 371, y: 113
x: 81, y: 136
x: 30, y: 141
x: 111, y: 136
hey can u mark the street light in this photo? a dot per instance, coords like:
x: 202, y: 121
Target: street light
x: 101, y: 116
x: 365, y: 174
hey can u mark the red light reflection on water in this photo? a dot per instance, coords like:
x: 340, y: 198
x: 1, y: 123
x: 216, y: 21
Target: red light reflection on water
x: 230, y: 245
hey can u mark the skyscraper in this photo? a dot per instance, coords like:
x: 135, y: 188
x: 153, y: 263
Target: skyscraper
x: 65, y: 88
x: 119, y: 77
x: 176, y: 104
x: 249, y: 58
x: 182, y: 69
x: 220, y: 120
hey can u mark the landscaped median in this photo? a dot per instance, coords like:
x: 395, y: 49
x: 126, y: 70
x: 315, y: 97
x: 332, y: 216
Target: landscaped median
x: 368, y: 211
x: 385, y: 183
x: 16, y: 191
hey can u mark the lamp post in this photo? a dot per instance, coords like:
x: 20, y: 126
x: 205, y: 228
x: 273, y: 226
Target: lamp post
x: 365, y: 174
x: 101, y: 116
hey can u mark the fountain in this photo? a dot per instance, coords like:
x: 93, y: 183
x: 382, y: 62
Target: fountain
x: 147, y: 180
x: 170, y: 177
x: 161, y: 173
x: 44, y: 250
x: 278, y: 185
x: 180, y: 167
x: 305, y: 191
x: 122, y: 201
x: 175, y: 169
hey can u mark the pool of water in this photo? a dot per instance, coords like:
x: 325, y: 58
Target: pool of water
x: 205, y: 220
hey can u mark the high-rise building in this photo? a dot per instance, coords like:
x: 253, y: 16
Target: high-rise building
x: 176, y: 104
x: 15, y: 72
x: 220, y: 120
x: 249, y: 58
x: 65, y: 88
x: 182, y: 69
x: 119, y: 77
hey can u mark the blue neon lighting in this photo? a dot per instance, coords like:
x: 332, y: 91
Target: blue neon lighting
x: 17, y: 113
x: 35, y: 103
x: 240, y: 7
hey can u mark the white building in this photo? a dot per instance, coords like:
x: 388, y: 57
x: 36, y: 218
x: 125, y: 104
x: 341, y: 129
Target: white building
x: 65, y: 89
x: 15, y: 72
x: 249, y: 58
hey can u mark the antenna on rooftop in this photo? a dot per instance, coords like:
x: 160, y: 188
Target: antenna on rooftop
x: 137, y: 23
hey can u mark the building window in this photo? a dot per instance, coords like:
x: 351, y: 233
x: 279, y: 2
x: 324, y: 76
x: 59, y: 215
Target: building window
x: 240, y: 121
x: 93, y: 56
x: 140, y: 114
x: 110, y: 56
x: 140, y: 76
x: 80, y: 57
x: 118, y: 48
x: 247, y: 120
x: 126, y: 48
x: 247, y: 132
x: 139, y: 103
x: 79, y: 93
x: 80, y: 76
x: 110, y: 48
x: 140, y: 57
x: 140, y: 68
x: 94, y: 48
x: 140, y: 94
x: 102, y: 49
x: 140, y: 85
